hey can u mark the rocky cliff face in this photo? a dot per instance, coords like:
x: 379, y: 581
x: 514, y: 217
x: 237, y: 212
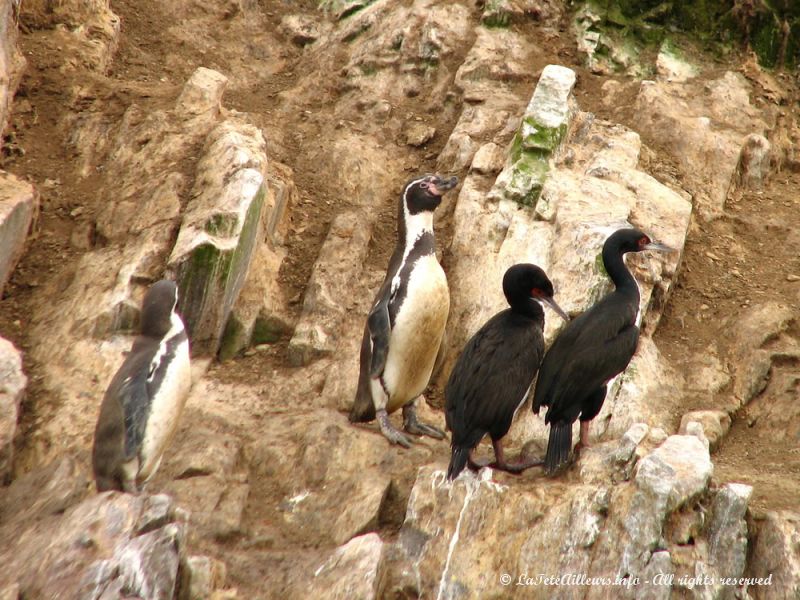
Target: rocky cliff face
x: 254, y: 152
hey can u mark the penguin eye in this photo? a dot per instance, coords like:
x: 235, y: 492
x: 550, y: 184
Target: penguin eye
x: 424, y: 185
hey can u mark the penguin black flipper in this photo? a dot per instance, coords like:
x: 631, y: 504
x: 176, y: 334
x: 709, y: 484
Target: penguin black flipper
x: 121, y: 424
x: 380, y: 330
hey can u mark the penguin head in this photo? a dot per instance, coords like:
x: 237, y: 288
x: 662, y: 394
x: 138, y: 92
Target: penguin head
x: 424, y: 194
x: 157, y: 306
x: 523, y: 283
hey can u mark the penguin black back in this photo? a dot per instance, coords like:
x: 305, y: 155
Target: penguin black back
x: 491, y: 378
x: 143, y: 401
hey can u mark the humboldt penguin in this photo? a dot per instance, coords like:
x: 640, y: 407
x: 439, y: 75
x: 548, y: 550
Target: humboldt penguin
x: 141, y: 407
x: 591, y: 350
x: 404, y: 329
x: 494, y: 373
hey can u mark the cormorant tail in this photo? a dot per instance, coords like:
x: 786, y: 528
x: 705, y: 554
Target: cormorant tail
x: 558, y: 447
x: 458, y: 461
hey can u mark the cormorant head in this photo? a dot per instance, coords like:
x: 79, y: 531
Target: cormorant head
x: 633, y: 240
x: 424, y: 193
x: 525, y: 282
x: 157, y: 306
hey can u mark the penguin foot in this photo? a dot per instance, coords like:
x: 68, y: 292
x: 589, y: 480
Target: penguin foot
x: 415, y: 427
x: 389, y: 432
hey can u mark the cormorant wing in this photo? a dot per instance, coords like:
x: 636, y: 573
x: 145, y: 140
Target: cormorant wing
x: 592, y: 349
x: 490, y: 380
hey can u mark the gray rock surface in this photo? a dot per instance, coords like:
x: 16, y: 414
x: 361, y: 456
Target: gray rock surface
x: 19, y: 205
x: 95, y: 549
x: 775, y: 556
x: 12, y: 390
x: 220, y: 231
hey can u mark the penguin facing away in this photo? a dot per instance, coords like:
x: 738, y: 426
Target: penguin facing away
x: 493, y: 376
x: 143, y: 403
x: 404, y: 329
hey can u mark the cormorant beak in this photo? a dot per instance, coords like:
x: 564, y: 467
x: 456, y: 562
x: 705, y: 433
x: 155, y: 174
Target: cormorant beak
x: 659, y: 247
x: 552, y: 304
x: 440, y: 184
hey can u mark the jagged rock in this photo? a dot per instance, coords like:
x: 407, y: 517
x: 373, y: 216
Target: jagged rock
x: 301, y: 29
x: 488, y: 160
x: 329, y: 287
x: 12, y: 389
x: 751, y: 361
x: 86, y: 32
x: 606, y: 50
x: 45, y: 491
x: 201, y: 575
x: 544, y: 126
x: 672, y: 66
x: 775, y: 557
x: 677, y: 471
x: 502, y: 13
x: 715, y: 424
x: 352, y: 571
x: 344, y: 8
x: 727, y: 534
x: 220, y: 230
x: 93, y: 550
x: 753, y: 166
x: 19, y: 203
x: 260, y: 313
x: 419, y: 134
x: 319, y: 499
x: 695, y: 122
x: 12, y: 63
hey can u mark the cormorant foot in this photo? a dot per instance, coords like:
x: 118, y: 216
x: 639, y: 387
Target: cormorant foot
x: 415, y: 427
x: 516, y: 468
x: 580, y: 446
x: 476, y: 466
x: 389, y: 432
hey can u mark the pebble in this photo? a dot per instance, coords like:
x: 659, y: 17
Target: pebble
x: 793, y: 278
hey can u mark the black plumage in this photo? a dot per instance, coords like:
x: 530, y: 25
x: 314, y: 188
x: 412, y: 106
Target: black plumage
x: 493, y: 375
x: 592, y: 349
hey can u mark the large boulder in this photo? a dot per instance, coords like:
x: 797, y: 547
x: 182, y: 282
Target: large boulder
x: 12, y: 390
x: 19, y: 204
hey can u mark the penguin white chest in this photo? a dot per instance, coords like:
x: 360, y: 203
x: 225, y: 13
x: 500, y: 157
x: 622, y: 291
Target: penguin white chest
x: 166, y: 406
x: 417, y: 333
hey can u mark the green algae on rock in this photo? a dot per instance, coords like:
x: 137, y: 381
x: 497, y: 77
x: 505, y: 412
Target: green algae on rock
x: 220, y: 231
x: 543, y: 128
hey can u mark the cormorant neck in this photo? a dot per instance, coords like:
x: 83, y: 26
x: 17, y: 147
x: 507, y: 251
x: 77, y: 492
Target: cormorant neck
x: 616, y: 269
x: 527, y: 307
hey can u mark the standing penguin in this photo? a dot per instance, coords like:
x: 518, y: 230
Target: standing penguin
x: 592, y: 349
x: 493, y: 375
x: 405, y: 327
x: 144, y: 400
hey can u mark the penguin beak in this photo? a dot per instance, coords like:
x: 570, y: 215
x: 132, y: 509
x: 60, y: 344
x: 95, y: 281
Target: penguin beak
x: 440, y: 184
x: 552, y: 304
x: 659, y: 247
